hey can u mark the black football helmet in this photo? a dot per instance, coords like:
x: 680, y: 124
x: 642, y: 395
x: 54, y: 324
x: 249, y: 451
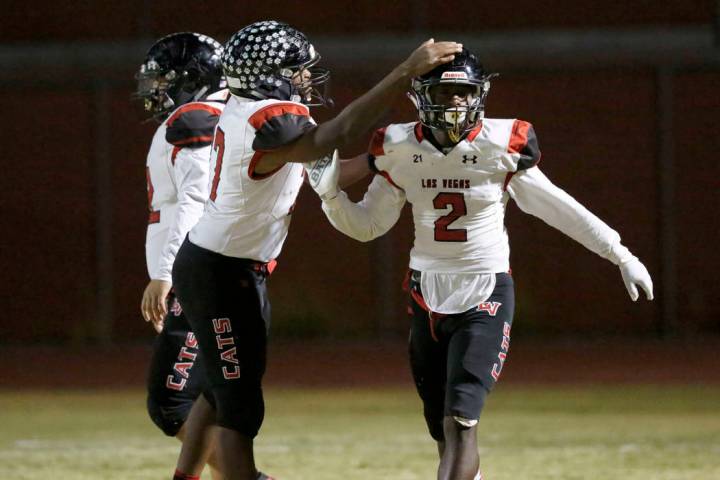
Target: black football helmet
x: 261, y: 60
x: 179, y: 68
x: 465, y: 69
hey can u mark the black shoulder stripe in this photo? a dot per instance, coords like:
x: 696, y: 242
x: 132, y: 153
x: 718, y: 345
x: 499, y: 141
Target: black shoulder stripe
x: 530, y: 152
x: 281, y: 130
x: 192, y: 128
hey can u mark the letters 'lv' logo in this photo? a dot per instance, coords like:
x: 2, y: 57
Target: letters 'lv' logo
x: 466, y: 159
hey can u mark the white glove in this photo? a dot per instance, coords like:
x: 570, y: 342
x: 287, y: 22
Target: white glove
x: 323, y: 175
x: 634, y: 273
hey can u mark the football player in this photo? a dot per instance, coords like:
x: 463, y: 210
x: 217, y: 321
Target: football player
x: 263, y: 138
x: 181, y: 84
x: 457, y: 170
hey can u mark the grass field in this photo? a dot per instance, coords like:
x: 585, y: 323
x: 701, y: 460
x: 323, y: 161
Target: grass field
x: 588, y: 433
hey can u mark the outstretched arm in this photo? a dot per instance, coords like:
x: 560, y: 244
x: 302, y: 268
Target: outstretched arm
x: 330, y: 173
x: 372, y: 217
x: 535, y: 194
x: 353, y: 170
x: 364, y: 112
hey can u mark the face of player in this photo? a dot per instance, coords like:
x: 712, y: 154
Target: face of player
x: 456, y: 99
x: 452, y: 95
x: 301, y: 79
x: 152, y: 88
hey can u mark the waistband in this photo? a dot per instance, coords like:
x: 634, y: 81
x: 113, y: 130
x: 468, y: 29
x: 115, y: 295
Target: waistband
x: 265, y: 268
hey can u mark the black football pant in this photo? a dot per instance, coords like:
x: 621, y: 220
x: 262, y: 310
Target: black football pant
x: 456, y: 359
x: 177, y: 375
x: 225, y: 301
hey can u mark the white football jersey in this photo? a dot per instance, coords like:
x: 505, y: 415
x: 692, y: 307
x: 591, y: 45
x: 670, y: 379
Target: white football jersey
x: 177, y: 179
x: 248, y: 214
x: 457, y: 198
x: 458, y: 202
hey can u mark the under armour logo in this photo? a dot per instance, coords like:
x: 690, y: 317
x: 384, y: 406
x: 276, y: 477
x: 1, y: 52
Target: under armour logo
x: 466, y: 159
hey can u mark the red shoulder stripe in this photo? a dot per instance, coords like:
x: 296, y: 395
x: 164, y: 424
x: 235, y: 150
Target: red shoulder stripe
x: 190, y: 107
x: 253, y: 163
x: 518, y: 137
x: 387, y: 177
x: 174, y: 155
x: 376, y: 143
x: 258, y: 119
x: 418, y: 132
x: 474, y: 132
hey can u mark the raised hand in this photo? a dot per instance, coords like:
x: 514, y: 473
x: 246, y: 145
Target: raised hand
x: 429, y: 55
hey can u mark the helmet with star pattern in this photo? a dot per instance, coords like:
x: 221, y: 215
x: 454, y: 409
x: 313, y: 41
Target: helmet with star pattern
x: 271, y: 59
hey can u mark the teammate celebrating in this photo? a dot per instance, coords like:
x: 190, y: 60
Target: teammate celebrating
x: 263, y: 135
x: 458, y: 169
x: 182, y: 86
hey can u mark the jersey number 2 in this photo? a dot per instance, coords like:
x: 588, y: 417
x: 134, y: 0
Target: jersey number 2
x: 457, y: 202
x: 219, y: 147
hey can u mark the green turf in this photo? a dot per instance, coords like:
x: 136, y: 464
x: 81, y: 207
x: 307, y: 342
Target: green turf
x: 583, y: 433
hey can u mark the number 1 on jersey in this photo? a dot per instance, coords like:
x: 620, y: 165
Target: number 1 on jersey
x: 457, y: 201
x: 219, y: 147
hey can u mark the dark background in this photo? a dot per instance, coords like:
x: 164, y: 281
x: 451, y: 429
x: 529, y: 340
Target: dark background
x: 623, y: 96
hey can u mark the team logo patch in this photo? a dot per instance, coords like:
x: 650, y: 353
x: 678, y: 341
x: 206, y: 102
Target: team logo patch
x: 454, y: 75
x: 318, y: 168
x: 490, y: 307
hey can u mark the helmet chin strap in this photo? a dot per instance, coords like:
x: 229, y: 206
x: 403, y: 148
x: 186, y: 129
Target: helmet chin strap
x: 454, y: 135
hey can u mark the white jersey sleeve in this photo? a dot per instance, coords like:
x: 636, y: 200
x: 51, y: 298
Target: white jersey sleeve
x: 372, y: 217
x: 535, y: 194
x: 177, y: 180
x: 191, y: 179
